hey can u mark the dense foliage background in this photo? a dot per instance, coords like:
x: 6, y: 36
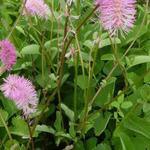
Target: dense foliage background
x: 97, y: 98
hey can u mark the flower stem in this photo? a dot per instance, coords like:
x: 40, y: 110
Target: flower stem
x: 17, y: 20
x: 5, y: 125
x: 75, y: 84
x: 30, y: 132
x: 78, y: 7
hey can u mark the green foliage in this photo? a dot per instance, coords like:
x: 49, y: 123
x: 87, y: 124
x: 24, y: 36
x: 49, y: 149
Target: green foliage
x: 98, y: 98
x: 101, y: 123
x: 19, y: 127
x: 30, y: 50
x: 3, y: 117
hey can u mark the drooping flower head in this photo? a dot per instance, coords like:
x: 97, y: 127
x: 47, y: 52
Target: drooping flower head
x: 37, y: 8
x: 117, y: 15
x: 22, y: 92
x: 7, y: 54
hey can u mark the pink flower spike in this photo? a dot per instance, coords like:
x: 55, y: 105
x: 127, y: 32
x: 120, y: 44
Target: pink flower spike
x: 37, y: 8
x: 7, y: 54
x: 117, y: 15
x: 22, y: 92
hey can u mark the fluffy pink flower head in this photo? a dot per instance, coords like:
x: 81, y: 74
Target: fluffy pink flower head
x: 22, y: 92
x: 37, y: 8
x: 117, y: 15
x: 7, y: 54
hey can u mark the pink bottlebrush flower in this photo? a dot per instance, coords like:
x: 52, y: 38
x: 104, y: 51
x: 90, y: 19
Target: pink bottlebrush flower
x: 7, y: 54
x: 37, y: 7
x: 22, y: 92
x: 117, y: 15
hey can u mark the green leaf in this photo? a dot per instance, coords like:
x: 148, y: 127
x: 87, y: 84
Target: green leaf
x: 89, y: 44
x: 12, y: 145
x: 30, y: 50
x: 138, y: 125
x: 20, y: 29
x: 82, y: 81
x: 108, y: 67
x: 91, y: 121
x: 79, y: 146
x: 3, y: 116
x: 106, y: 93
x: 72, y: 131
x: 120, y: 97
x: 125, y: 140
x: 9, y: 106
x: 147, y: 75
x: 115, y: 104
x: 134, y: 34
x: 126, y: 104
x: 107, y: 57
x: 58, y: 122
x: 20, y: 127
x: 45, y: 128
x: 65, y: 77
x: 140, y: 142
x: 146, y: 46
x: 86, y: 56
x: 51, y: 47
x: 145, y: 92
x: 102, y: 146
x: 101, y: 123
x: 63, y: 134
x: 69, y: 113
x: 134, y: 79
x: 107, y: 42
x: 136, y: 60
x: 90, y: 143
x: 146, y: 107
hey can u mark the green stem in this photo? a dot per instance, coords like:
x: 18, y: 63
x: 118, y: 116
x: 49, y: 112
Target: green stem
x: 75, y: 84
x: 62, y: 57
x: 41, y: 42
x: 3, y: 141
x: 78, y: 7
x: 115, y: 52
x: 17, y: 20
x: 88, y: 95
x: 42, y: 62
x: 30, y: 132
x: 6, y: 127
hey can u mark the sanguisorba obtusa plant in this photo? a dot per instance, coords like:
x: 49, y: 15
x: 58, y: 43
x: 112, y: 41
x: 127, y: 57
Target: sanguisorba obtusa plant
x: 75, y: 75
